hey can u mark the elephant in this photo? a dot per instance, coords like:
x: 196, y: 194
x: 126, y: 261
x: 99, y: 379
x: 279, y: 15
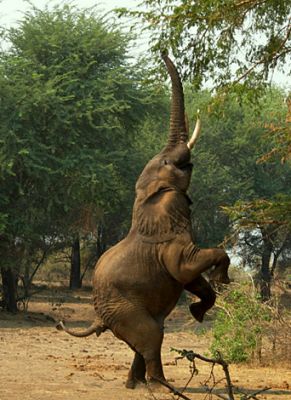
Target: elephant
x: 137, y: 282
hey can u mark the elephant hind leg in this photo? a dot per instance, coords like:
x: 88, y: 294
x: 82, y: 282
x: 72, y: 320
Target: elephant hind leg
x: 144, y: 335
x: 137, y: 372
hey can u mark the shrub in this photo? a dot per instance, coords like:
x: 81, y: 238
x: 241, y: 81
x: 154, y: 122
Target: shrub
x: 240, y: 324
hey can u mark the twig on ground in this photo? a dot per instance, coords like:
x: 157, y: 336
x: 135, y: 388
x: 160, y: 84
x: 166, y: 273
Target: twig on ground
x: 173, y: 389
x: 227, y: 376
x: 251, y: 395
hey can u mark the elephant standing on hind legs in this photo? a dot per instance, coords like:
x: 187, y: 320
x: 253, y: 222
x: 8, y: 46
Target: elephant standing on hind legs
x: 138, y: 282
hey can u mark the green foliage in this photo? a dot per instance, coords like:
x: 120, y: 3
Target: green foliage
x: 225, y: 159
x: 235, y: 47
x: 71, y: 107
x: 272, y: 205
x: 224, y: 40
x: 239, y: 325
x: 262, y: 212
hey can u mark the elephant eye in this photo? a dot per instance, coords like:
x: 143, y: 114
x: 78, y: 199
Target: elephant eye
x: 165, y: 162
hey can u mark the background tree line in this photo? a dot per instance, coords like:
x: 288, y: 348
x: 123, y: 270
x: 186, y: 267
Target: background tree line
x: 71, y: 108
x: 79, y: 119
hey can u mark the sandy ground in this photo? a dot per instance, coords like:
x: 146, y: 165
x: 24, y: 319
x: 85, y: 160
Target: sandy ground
x: 37, y: 362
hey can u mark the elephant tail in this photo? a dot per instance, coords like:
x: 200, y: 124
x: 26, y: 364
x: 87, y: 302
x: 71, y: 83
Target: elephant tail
x: 96, y: 327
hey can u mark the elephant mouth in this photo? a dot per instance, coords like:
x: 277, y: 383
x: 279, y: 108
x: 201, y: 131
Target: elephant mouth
x: 186, y: 167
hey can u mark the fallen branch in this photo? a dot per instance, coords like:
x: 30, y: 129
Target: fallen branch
x: 190, y: 355
x: 251, y: 395
x: 173, y: 389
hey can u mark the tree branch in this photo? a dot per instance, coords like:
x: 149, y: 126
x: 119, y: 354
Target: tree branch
x: 273, y: 56
x: 190, y: 355
x: 173, y: 389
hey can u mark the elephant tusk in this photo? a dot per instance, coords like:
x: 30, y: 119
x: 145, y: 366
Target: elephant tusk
x: 196, y: 132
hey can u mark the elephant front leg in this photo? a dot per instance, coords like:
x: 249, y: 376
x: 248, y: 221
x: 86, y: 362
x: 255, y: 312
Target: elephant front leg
x: 137, y: 372
x: 187, y: 263
x: 202, y: 289
x: 220, y: 272
x: 196, y: 262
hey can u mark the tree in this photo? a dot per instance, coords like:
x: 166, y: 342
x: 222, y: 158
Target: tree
x: 215, y: 178
x: 70, y: 105
x: 232, y: 46
x: 75, y: 275
x: 225, y: 41
x: 261, y: 218
x: 228, y: 176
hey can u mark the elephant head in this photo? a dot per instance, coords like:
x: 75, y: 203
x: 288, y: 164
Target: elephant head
x: 172, y: 165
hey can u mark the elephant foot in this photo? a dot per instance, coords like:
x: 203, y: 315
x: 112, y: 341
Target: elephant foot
x: 132, y: 383
x: 197, y: 311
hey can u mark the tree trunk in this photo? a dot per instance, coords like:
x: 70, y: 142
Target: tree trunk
x: 9, y: 299
x: 265, y: 273
x: 75, y: 275
x: 26, y: 279
x: 100, y: 243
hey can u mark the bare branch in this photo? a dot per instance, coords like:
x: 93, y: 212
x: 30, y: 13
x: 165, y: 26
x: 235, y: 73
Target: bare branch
x: 190, y: 355
x: 251, y: 395
x: 274, y: 55
x: 251, y: 3
x: 173, y: 389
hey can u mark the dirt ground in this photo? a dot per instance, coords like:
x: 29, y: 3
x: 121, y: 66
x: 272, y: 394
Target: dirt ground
x: 37, y: 362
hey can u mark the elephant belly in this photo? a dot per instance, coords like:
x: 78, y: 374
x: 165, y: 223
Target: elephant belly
x: 130, y: 276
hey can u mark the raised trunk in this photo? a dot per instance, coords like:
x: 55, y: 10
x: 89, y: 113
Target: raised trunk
x: 75, y: 275
x: 9, y: 297
x: 178, y: 131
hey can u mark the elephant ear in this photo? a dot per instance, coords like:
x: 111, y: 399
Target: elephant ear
x: 162, y: 214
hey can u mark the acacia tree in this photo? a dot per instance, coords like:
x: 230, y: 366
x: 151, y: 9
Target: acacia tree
x: 233, y: 46
x: 261, y: 217
x: 70, y: 104
x: 226, y: 41
x: 234, y: 194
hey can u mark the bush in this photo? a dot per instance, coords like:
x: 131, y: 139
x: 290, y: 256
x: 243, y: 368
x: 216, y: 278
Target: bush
x: 240, y: 324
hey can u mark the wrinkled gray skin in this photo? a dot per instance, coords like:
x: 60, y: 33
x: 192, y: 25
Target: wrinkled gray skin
x: 138, y: 282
